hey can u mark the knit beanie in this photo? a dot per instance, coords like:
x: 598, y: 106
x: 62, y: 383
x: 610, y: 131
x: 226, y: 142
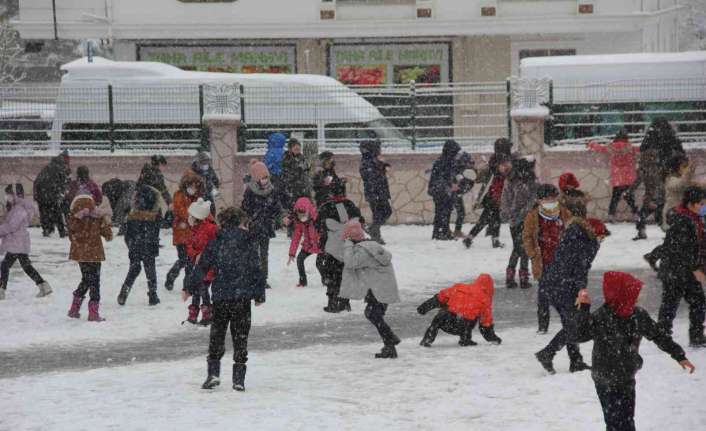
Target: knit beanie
x: 258, y: 170
x: 353, y: 230
x: 200, y: 210
x: 568, y: 179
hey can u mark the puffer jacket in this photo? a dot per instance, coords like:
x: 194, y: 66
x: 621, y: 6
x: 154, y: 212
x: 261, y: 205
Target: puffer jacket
x: 674, y: 188
x: 275, y: 153
x: 305, y: 230
x: 518, y: 198
x: 368, y: 266
x: 264, y: 207
x: 14, y: 229
x: 180, y: 206
x: 201, y: 234
x: 623, y: 161
x: 470, y: 301
x: 143, y: 223
x: 86, y: 227
x: 530, y: 238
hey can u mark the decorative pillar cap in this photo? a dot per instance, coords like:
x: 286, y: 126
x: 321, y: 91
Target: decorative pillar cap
x: 221, y: 103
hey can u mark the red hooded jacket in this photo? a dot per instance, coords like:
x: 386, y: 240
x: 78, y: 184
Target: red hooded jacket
x: 307, y: 229
x: 201, y: 234
x: 471, y: 301
x: 621, y: 291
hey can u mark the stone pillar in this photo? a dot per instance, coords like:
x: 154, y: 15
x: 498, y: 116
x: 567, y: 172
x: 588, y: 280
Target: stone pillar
x: 530, y: 136
x: 223, y: 137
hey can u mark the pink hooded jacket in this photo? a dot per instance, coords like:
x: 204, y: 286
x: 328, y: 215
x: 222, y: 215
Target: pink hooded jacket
x: 307, y: 230
x: 623, y: 161
x: 13, y: 230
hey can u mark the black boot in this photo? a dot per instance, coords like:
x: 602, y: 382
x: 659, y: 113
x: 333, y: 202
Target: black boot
x: 344, y: 304
x: 124, y: 292
x: 172, y: 275
x: 429, y: 337
x: 641, y: 234
x: 578, y: 365
x: 697, y: 338
x: 387, y: 352
x: 153, y: 298
x: 546, y: 361
x: 214, y: 375
x: 468, y: 241
x: 239, y: 377
x: 496, y: 243
x: 332, y: 306
x: 375, y: 234
x: 466, y: 341
x: 652, y: 261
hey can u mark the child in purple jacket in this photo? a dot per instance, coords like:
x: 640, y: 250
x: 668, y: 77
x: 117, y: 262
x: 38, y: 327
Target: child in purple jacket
x: 15, y: 239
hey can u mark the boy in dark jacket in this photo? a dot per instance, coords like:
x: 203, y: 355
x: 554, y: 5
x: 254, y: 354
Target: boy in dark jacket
x: 239, y: 280
x: 324, y: 178
x: 49, y: 188
x: 443, y: 189
x: 682, y: 267
x: 375, y: 185
x: 616, y: 330
x: 296, y: 171
x: 334, y: 214
x: 563, y: 280
x: 462, y: 307
x: 499, y: 167
x: 465, y: 176
x: 262, y: 205
x: 142, y: 239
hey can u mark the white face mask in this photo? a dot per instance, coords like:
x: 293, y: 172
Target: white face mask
x: 190, y: 191
x: 550, y: 205
x: 264, y: 182
x: 192, y: 221
x: 204, y: 167
x: 303, y: 218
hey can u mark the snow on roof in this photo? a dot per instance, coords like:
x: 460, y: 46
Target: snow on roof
x: 588, y: 60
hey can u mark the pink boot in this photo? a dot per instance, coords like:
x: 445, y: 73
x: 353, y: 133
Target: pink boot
x: 206, y: 315
x: 193, y: 314
x: 75, y: 307
x: 93, y: 315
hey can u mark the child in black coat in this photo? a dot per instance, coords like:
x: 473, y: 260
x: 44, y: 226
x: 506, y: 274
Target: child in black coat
x: 616, y: 330
x: 239, y: 280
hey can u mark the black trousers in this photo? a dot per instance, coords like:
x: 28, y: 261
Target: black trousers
x: 25, y: 263
x: 181, y: 263
x: 90, y: 281
x: 451, y: 324
x: 624, y: 192
x: 381, y: 210
x: 543, y: 309
x: 460, y: 208
x: 618, y: 403
x: 51, y: 215
x: 490, y: 217
x: 443, y: 205
x: 518, y: 250
x: 569, y: 331
x: 301, y: 257
x: 645, y: 213
x: 673, y: 290
x: 136, y: 265
x: 375, y: 313
x: 263, y: 250
x: 331, y: 271
x: 236, y: 314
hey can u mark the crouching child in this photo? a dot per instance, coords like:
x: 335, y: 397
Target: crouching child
x: 238, y: 281
x: 368, y: 274
x: 616, y: 329
x: 462, y: 306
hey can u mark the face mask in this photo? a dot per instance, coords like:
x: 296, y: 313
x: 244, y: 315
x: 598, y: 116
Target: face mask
x: 702, y: 211
x: 204, y: 167
x: 549, y: 206
x: 264, y: 182
x: 190, y: 191
x: 303, y: 218
x: 192, y: 221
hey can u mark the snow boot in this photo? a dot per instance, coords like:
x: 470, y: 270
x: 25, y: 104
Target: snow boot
x: 546, y: 361
x: 577, y: 366
x: 697, y: 339
x: 524, y: 279
x: 193, y: 314
x: 93, y: 315
x: 153, y: 298
x: 75, y: 307
x: 44, y: 289
x: 375, y: 234
x: 214, y: 375
x: 465, y: 342
x: 497, y: 243
x: 2, y: 293
x: 124, y: 292
x: 510, y: 282
x: 344, y: 304
x: 387, y: 352
x: 652, y: 261
x: 641, y: 234
x: 332, y: 306
x: 239, y: 377
x: 206, y: 315
x: 468, y: 241
x: 429, y: 336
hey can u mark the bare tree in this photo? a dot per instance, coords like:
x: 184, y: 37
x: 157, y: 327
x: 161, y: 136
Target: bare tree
x: 10, y: 54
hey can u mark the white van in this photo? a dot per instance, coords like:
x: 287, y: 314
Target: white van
x: 156, y: 97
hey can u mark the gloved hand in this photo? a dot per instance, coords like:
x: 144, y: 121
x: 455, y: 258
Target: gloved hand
x: 429, y: 305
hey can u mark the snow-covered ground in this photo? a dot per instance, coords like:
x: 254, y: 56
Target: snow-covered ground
x: 419, y: 263
x: 341, y: 387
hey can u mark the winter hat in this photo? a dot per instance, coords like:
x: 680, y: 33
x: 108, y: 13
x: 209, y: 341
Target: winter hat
x: 292, y: 142
x: 502, y: 146
x: 82, y: 173
x: 598, y: 227
x: 145, y: 198
x: 568, y: 179
x: 157, y: 160
x: 353, y: 230
x: 370, y: 147
x: 326, y: 155
x: 258, y: 170
x: 276, y: 140
x: 547, y: 191
x: 202, y: 158
x: 200, y: 210
x: 485, y: 283
x: 304, y: 205
x: 621, y: 291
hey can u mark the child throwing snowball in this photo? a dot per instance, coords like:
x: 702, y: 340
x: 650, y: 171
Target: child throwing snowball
x: 305, y: 233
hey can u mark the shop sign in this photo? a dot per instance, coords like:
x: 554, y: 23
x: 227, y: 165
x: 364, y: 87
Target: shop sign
x: 230, y: 59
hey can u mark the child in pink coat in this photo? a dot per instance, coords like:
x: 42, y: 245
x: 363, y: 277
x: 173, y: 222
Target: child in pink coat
x: 15, y: 239
x: 623, y: 170
x: 304, y: 217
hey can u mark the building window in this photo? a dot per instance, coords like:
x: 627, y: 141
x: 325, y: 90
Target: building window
x: 527, y: 53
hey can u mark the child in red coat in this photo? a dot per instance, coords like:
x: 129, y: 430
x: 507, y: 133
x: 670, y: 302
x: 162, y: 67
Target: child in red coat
x: 306, y: 233
x: 462, y: 306
x: 203, y: 230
